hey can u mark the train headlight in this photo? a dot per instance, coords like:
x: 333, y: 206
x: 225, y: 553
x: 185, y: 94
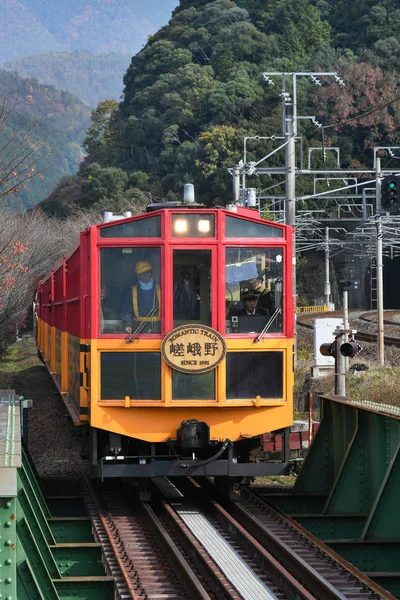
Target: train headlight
x: 204, y: 225
x: 180, y: 226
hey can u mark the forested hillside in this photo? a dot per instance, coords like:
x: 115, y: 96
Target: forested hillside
x: 89, y: 77
x: 41, y: 130
x: 196, y: 89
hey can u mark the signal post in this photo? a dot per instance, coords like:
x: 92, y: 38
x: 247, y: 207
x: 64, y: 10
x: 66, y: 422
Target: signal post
x: 341, y: 349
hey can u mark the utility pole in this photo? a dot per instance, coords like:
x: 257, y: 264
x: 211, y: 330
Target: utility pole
x: 288, y: 113
x: 289, y: 122
x: 327, y: 286
x: 353, y: 197
x: 379, y: 265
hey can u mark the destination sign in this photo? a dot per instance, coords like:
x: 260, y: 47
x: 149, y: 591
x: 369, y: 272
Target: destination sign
x: 193, y: 348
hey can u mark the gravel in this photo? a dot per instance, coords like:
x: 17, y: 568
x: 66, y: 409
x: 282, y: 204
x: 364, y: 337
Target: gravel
x: 53, y: 441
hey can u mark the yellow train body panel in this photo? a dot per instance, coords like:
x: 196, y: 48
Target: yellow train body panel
x: 157, y: 421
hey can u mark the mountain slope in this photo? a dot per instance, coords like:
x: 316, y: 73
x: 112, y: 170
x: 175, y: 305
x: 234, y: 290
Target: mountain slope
x: 89, y: 77
x: 101, y: 26
x: 196, y: 90
x: 43, y: 131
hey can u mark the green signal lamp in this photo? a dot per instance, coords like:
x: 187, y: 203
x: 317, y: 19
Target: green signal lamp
x: 390, y: 194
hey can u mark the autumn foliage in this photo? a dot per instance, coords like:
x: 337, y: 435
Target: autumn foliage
x: 368, y: 92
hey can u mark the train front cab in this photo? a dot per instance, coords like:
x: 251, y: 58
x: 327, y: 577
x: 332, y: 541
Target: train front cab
x: 189, y: 387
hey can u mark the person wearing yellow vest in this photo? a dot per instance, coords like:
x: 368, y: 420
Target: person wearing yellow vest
x: 142, y: 304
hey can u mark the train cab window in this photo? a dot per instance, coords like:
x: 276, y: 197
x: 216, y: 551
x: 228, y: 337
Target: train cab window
x: 133, y: 374
x: 193, y: 386
x: 130, y: 290
x: 253, y: 300
x: 192, y: 287
x: 236, y: 227
x: 252, y: 374
x: 193, y: 225
x: 147, y: 227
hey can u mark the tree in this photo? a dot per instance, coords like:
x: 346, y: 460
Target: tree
x: 367, y: 94
x: 30, y: 243
x: 100, y: 135
x: 100, y: 185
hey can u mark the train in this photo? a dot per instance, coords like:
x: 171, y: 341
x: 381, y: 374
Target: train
x: 170, y: 337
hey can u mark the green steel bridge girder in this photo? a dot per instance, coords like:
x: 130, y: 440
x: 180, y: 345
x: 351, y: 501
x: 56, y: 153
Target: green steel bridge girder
x: 354, y: 461
x: 42, y: 557
x: 347, y: 493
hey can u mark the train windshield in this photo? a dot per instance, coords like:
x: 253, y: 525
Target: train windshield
x: 254, y: 280
x: 130, y: 290
x: 192, y: 287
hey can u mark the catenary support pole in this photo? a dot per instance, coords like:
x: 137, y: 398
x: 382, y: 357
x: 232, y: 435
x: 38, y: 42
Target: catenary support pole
x: 379, y: 265
x: 327, y: 287
x: 290, y: 197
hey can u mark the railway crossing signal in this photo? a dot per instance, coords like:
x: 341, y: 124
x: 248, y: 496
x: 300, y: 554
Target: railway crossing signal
x: 390, y: 193
x: 341, y: 349
x: 348, y: 349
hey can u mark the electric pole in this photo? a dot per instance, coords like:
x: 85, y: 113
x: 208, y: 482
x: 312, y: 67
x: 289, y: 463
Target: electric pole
x: 379, y: 265
x: 327, y: 286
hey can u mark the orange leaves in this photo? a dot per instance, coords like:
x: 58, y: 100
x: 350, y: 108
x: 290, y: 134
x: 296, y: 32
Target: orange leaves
x: 11, y: 264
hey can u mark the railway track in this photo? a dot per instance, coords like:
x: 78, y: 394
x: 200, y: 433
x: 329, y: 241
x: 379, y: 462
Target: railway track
x: 317, y: 566
x: 185, y: 543
x: 362, y: 336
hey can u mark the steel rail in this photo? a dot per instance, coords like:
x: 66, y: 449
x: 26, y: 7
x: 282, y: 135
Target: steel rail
x: 198, y: 591
x: 362, y: 336
x: 282, y: 575
x: 229, y: 557
x: 365, y: 316
x: 114, y: 570
x: 192, y: 547
x: 278, y: 574
x: 368, y: 588
x: 155, y: 565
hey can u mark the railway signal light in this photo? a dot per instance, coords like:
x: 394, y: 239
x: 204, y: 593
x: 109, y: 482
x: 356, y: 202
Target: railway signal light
x: 349, y: 349
x: 390, y: 193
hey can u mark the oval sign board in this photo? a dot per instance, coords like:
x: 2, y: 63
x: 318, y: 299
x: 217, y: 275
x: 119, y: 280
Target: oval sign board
x: 193, y: 348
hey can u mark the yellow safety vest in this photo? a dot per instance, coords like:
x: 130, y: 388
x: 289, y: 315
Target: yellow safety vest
x: 137, y: 317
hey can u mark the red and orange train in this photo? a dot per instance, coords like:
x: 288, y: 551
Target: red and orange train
x: 170, y: 335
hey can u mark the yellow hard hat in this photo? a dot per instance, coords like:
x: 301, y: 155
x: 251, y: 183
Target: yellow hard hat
x: 142, y: 266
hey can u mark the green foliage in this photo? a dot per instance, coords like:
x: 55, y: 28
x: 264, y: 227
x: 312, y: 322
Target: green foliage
x: 101, y: 132
x: 102, y: 184
x: 196, y: 89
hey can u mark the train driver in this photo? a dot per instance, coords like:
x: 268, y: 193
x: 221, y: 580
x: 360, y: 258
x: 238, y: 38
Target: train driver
x: 251, y: 307
x: 263, y: 296
x: 142, y: 303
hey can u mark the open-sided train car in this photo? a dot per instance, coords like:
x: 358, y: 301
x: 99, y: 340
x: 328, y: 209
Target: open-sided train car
x: 145, y: 328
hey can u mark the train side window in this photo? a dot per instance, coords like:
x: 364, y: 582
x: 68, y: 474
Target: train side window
x: 192, y: 287
x: 147, y: 227
x: 241, y: 228
x: 254, y: 290
x: 130, y: 296
x: 133, y: 374
x: 252, y: 374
